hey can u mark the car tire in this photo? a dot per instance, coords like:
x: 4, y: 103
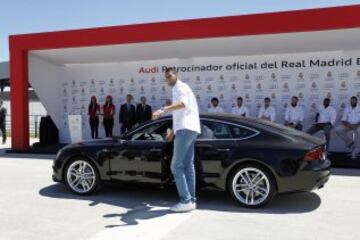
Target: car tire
x: 252, y: 185
x: 81, y: 176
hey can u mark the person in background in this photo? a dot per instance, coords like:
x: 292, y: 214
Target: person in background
x: 143, y: 111
x: 350, y: 123
x: 214, y: 107
x: 94, y: 112
x: 324, y: 120
x: 108, y: 111
x: 294, y: 115
x: 127, y: 115
x: 239, y: 108
x: 267, y: 112
x: 186, y: 126
x: 3, y: 121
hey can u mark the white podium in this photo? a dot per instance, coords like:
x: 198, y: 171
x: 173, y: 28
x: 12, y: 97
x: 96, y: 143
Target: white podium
x: 75, y: 128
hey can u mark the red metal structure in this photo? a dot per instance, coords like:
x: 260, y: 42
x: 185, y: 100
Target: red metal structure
x: 345, y: 17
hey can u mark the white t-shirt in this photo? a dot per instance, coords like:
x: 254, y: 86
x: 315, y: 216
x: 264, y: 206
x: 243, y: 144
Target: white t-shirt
x: 240, y: 110
x: 327, y: 115
x: 268, y: 112
x: 188, y: 117
x: 216, y: 109
x: 351, y: 115
x: 294, y: 115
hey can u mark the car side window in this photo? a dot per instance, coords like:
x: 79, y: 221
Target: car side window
x: 241, y: 132
x: 214, y: 130
x: 153, y: 132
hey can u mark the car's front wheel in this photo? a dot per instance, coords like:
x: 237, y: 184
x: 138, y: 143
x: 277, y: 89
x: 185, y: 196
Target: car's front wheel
x: 81, y: 176
x: 252, y: 185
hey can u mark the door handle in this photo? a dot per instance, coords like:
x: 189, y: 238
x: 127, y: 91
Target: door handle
x: 223, y: 149
x: 155, y: 150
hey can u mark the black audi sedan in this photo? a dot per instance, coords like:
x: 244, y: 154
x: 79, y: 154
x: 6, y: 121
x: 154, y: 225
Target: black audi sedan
x: 252, y: 159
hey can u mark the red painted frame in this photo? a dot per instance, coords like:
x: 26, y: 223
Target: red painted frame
x: 268, y: 23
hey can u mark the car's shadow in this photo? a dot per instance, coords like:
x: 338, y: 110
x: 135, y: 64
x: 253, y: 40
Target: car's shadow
x: 147, y: 202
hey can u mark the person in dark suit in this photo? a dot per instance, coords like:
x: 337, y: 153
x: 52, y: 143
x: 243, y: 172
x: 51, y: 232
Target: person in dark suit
x: 3, y: 121
x: 143, y: 111
x: 127, y: 115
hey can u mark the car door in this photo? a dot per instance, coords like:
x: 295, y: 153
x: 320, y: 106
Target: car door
x: 138, y: 157
x: 215, y: 147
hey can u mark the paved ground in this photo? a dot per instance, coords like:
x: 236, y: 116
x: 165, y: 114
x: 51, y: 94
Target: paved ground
x: 33, y: 207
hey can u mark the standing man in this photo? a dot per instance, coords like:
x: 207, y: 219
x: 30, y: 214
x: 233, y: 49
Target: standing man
x: 350, y: 123
x: 325, y: 120
x: 3, y: 121
x: 127, y: 115
x: 267, y: 112
x: 214, y: 107
x: 239, y: 109
x: 186, y: 126
x: 294, y: 115
x: 143, y: 111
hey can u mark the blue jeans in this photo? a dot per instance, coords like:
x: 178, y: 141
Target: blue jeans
x: 182, y: 164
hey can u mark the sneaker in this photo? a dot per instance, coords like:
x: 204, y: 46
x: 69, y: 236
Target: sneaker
x: 183, y: 207
x: 194, y: 205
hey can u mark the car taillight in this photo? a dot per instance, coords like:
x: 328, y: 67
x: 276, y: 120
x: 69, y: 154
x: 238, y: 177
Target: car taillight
x: 315, y: 154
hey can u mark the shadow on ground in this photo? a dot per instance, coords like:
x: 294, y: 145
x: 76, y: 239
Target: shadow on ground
x: 345, y: 172
x: 22, y: 156
x: 147, y: 202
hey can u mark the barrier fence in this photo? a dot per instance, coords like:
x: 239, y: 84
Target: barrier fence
x: 34, y: 125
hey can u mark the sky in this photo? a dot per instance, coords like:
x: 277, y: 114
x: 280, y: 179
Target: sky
x: 22, y: 16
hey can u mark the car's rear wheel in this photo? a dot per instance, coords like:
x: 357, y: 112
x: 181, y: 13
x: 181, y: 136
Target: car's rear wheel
x: 252, y: 185
x: 82, y: 177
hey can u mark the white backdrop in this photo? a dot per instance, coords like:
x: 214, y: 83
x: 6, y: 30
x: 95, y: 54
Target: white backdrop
x: 252, y: 77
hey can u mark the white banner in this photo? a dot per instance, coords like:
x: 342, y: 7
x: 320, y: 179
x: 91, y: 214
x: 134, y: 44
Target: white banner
x: 310, y: 76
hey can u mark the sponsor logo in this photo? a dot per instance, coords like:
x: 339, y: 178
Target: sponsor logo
x: 154, y: 69
x: 313, y: 85
x: 153, y: 81
x: 258, y: 87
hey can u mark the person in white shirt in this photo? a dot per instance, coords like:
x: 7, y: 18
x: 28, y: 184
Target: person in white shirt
x: 239, y: 109
x: 325, y: 120
x: 186, y: 127
x: 267, y: 112
x: 214, y: 107
x: 294, y: 115
x: 350, y: 123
